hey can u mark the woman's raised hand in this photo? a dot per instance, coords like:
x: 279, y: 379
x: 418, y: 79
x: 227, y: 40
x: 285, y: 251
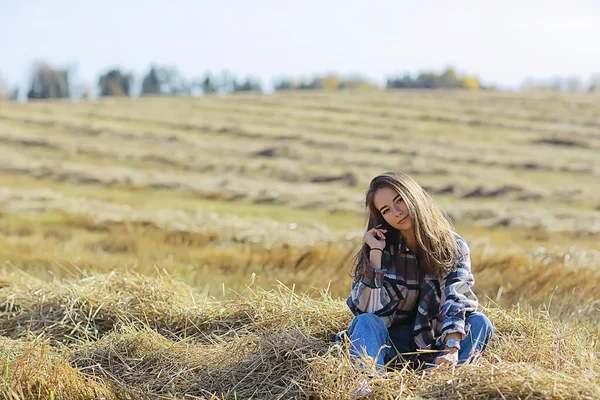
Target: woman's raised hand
x: 375, y: 238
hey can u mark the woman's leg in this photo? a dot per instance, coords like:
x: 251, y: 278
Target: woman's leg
x: 403, y: 339
x: 477, y: 339
x: 368, y: 334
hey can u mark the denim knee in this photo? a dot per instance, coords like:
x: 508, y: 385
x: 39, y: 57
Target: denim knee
x: 371, y: 320
x: 482, y: 322
x: 481, y: 329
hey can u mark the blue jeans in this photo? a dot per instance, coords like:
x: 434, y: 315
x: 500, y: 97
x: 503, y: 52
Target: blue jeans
x: 369, y: 334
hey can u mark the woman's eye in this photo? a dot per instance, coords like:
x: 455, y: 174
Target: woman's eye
x: 399, y: 200
x: 384, y: 211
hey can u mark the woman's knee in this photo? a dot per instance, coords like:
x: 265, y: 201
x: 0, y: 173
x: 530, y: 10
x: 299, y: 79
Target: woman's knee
x: 367, y: 320
x: 481, y: 322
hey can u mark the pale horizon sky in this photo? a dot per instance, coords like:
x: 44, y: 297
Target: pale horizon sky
x: 501, y: 43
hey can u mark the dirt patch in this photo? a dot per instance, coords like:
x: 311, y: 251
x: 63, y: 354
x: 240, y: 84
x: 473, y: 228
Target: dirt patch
x: 482, y: 192
x: 117, y: 245
x: 447, y: 189
x: 349, y: 178
x: 30, y: 143
x: 327, y: 145
x: 277, y: 151
x: 561, y: 141
x: 193, y: 239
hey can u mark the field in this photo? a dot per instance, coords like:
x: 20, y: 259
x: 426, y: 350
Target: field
x: 182, y: 248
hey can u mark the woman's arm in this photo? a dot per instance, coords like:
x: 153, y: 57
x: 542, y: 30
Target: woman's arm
x: 371, y: 293
x: 457, y: 297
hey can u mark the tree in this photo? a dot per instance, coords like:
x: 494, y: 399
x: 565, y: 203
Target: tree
x: 312, y: 85
x: 357, y: 82
x: 151, y: 83
x: 401, y: 83
x: 226, y: 82
x: 329, y: 82
x: 594, y: 85
x: 115, y: 83
x: 248, y: 85
x: 448, y: 79
x: 426, y: 80
x: 209, y: 85
x: 295, y: 84
x: 284, y: 84
x: 48, y: 83
x: 470, y: 83
x: 164, y: 80
x: 3, y: 91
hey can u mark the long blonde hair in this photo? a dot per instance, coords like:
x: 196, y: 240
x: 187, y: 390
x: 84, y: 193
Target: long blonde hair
x: 437, y: 247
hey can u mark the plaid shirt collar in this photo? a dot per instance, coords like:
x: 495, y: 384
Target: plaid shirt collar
x: 403, y: 247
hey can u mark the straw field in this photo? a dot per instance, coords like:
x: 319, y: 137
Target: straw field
x: 198, y: 248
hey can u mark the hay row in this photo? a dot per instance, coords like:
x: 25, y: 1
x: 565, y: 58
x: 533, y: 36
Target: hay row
x: 276, y: 344
x: 314, y: 195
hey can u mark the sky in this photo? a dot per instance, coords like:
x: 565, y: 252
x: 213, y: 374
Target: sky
x: 500, y: 42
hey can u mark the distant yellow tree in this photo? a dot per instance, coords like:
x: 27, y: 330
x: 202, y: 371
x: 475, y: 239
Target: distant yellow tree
x: 367, y: 87
x: 470, y: 83
x: 330, y: 82
x: 358, y: 84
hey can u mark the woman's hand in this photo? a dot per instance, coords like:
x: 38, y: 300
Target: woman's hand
x: 375, y: 238
x: 448, y: 359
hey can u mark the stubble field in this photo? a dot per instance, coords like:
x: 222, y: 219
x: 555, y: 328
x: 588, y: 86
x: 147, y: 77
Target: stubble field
x: 200, y: 247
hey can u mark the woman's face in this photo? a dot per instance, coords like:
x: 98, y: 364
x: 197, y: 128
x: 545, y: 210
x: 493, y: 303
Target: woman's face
x: 393, y: 209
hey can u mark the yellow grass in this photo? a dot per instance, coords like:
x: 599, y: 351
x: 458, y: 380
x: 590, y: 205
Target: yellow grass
x: 137, y: 337
x: 201, y: 247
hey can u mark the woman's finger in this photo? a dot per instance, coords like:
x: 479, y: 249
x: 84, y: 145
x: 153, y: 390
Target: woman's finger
x: 441, y: 360
x: 449, y: 363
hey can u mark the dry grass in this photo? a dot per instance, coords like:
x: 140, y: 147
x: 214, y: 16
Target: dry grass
x: 262, y: 344
x: 34, y: 370
x: 204, y: 251
x: 317, y: 151
x: 207, y: 249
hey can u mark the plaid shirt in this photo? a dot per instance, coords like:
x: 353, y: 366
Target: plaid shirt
x: 435, y: 309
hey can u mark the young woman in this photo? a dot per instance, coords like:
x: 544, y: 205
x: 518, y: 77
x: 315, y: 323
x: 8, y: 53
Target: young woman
x: 412, y: 285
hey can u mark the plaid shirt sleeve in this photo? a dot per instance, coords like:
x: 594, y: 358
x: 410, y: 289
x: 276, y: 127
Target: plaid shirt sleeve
x: 373, y: 294
x: 457, y: 297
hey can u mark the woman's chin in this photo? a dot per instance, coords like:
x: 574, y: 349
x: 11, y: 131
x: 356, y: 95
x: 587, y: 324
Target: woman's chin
x: 404, y: 227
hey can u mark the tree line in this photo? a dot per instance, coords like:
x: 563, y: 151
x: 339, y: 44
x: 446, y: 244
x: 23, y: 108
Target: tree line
x: 47, y: 82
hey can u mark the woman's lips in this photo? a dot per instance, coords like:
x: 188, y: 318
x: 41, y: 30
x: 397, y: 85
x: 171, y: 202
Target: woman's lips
x: 403, y: 220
